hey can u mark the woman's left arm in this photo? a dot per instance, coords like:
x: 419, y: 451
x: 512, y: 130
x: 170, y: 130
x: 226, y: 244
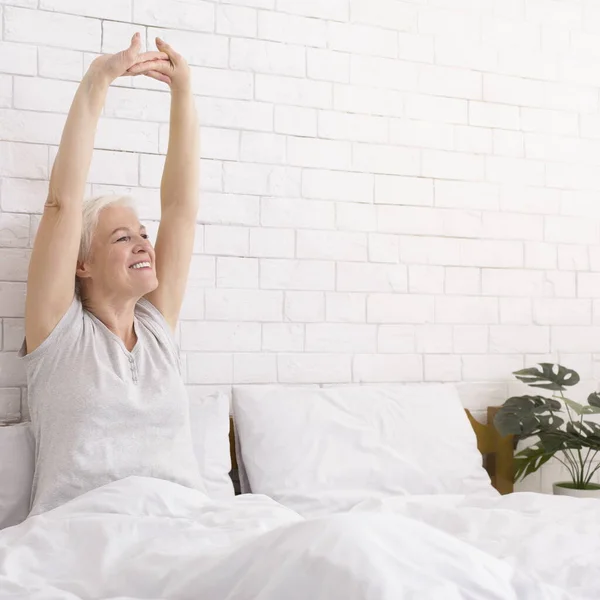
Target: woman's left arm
x: 179, y: 190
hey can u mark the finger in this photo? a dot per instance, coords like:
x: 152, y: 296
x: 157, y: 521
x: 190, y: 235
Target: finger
x: 160, y: 76
x: 152, y: 55
x: 163, y: 66
x: 164, y: 47
x: 134, y: 46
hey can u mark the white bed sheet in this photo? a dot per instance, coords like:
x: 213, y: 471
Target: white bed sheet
x: 147, y: 538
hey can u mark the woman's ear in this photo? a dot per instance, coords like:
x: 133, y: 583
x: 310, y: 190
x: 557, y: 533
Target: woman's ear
x: 83, y: 270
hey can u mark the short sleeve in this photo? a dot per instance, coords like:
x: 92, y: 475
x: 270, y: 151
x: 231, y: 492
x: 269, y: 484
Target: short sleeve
x: 69, y: 325
x: 148, y: 314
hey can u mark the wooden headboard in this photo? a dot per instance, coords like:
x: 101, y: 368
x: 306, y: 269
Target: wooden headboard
x: 497, y: 451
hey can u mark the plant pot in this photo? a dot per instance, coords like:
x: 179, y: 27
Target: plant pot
x: 565, y: 488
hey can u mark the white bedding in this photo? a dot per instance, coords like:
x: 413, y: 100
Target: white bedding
x: 147, y: 538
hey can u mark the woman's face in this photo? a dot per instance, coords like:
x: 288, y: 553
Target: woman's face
x: 122, y: 260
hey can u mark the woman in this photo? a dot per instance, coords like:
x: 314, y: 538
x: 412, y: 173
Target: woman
x: 105, y: 391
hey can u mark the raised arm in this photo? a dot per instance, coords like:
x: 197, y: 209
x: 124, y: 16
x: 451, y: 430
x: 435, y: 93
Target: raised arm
x: 51, y: 278
x: 179, y: 190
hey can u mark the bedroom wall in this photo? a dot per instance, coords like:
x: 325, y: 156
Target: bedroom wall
x: 391, y: 190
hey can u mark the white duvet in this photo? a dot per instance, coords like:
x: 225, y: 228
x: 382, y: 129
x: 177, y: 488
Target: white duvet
x: 148, y: 539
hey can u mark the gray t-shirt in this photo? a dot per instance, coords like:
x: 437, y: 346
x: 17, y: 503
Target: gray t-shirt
x: 100, y: 413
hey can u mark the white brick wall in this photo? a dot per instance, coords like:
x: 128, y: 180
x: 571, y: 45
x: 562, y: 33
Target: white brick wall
x: 391, y: 190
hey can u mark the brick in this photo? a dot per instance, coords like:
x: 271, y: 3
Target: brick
x: 468, y: 54
x: 151, y: 169
x: 202, y: 49
x: 18, y: 59
x: 14, y: 263
x: 314, y: 368
x: 270, y: 4
x: 294, y: 120
x: 399, y: 16
x: 341, y: 337
x: 466, y: 309
x: 500, y: 169
x: 430, y: 250
x: 497, y: 31
x: 14, y: 230
x: 197, y: 16
x: 207, y: 367
x: 540, y: 255
x: 263, y: 180
x: 382, y: 159
x: 513, y: 226
x: 221, y: 83
x: 220, y: 336
x: 461, y: 223
x: 487, y: 114
x: 252, y: 367
x: 282, y: 337
x: 359, y: 99
x: 532, y: 64
x: 396, y: 339
x: 31, y: 127
x: 469, y: 195
x: 463, y: 281
x: 335, y: 10
x: 48, y: 29
x: 211, y: 176
x: 588, y: 285
x: 573, y: 258
x: 575, y: 338
x: 244, y: 305
x: 272, y: 243
x: 12, y: 300
x: 442, y: 368
x: 512, y: 282
x: 327, y: 65
x: 43, y: 94
x: 571, y: 230
x: 433, y: 339
x: 450, y: 82
x: 280, y: 27
x: 383, y: 248
x: 387, y: 368
x: 346, y: 307
x: 336, y: 185
x: 219, y: 143
x: 384, y: 73
x: 540, y: 120
x: 263, y: 148
x: 10, y: 405
x: 371, y: 277
x: 60, y: 64
x: 202, y: 270
x: 406, y: 132
x: 579, y: 204
x: 317, y: 153
x: 400, y: 308
x: 403, y: 190
x: 474, y: 140
x: 23, y: 195
x: 235, y: 114
x: 525, y: 199
x: 236, y: 21
x: 356, y: 217
x: 437, y: 109
x: 470, y: 339
x: 294, y: 91
x: 561, y: 284
x: 281, y: 274
x: 558, y: 311
x: 118, y: 10
x: 297, y: 213
x: 143, y: 105
x: 268, y: 57
x: 360, y: 128
x: 304, y: 306
x: 490, y: 367
x: 127, y: 135
x: 229, y: 209
x: 414, y: 47
x: 409, y: 219
x: 23, y: 160
x: 511, y: 339
x: 425, y: 279
x: 329, y: 245
x: 509, y: 143
x: 516, y: 311
x: 193, y: 303
x: 561, y: 96
x: 450, y: 23
x: 573, y: 177
x: 6, y: 91
x: 226, y: 240
x: 502, y: 89
x: 12, y: 370
x: 452, y: 165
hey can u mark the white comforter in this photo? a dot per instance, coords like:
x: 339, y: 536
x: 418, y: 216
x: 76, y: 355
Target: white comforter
x: 146, y: 538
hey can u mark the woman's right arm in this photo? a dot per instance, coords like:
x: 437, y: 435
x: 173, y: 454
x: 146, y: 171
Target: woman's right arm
x: 51, y: 278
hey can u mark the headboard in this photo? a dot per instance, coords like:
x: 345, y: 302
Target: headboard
x: 497, y: 451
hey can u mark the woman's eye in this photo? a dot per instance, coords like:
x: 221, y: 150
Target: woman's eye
x: 145, y: 236
x: 124, y: 238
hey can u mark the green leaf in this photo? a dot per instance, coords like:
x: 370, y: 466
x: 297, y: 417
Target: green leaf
x: 574, y: 406
x: 529, y: 460
x: 549, y: 377
x: 594, y: 399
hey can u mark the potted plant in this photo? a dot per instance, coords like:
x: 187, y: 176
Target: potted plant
x: 560, y: 426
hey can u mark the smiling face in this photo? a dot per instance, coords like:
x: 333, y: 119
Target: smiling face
x: 121, y: 261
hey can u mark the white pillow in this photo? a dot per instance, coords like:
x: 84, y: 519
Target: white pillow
x: 209, y: 420
x: 329, y: 448
x: 17, y: 457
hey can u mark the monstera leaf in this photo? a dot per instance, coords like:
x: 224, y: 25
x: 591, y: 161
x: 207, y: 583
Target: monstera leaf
x: 524, y: 415
x: 549, y: 377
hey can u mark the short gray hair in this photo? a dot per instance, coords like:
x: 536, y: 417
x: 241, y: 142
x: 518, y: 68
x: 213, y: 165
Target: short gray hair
x: 91, y: 212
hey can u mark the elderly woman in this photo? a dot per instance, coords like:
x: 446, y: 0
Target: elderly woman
x: 105, y: 391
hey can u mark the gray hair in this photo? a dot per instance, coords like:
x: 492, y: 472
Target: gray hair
x: 91, y: 212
